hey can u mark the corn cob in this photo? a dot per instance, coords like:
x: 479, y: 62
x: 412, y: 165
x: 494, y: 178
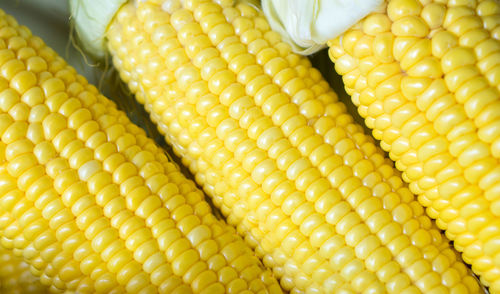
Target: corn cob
x: 267, y: 139
x: 90, y: 202
x: 425, y: 75
x: 15, y: 276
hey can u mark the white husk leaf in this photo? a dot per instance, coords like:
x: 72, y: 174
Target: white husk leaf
x: 308, y: 24
x: 91, y: 19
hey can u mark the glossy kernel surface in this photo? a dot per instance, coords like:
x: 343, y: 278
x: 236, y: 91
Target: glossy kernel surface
x: 270, y: 143
x: 431, y: 93
x: 89, y: 204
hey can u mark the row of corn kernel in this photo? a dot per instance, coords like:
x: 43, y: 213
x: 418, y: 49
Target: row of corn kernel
x: 181, y: 128
x: 353, y: 131
x: 326, y: 120
x: 225, y: 238
x: 75, y: 173
x: 392, y: 64
x: 275, y: 72
x: 229, y: 244
x: 12, y: 133
x: 28, y: 159
x: 145, y: 49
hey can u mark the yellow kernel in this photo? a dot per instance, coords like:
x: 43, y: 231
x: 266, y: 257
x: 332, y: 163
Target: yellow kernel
x: 382, y: 47
x: 410, y: 26
x: 433, y: 14
x: 23, y: 81
x: 36, y: 64
x: 456, y: 58
x: 377, y: 23
x: 400, y: 8
x: 12, y: 67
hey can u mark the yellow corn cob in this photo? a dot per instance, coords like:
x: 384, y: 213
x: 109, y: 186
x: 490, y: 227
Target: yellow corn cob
x: 90, y: 202
x: 267, y: 139
x: 425, y: 75
x: 15, y: 276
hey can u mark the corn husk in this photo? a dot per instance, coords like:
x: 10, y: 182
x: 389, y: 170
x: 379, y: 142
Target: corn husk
x: 308, y: 24
x: 91, y: 18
